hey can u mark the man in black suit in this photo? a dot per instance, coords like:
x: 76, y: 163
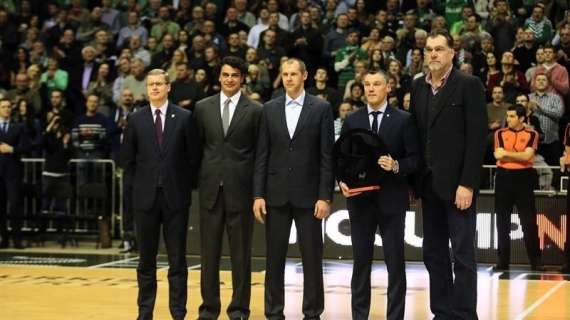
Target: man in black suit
x: 386, y: 208
x: 13, y: 142
x: 160, y: 166
x: 293, y: 180
x: 227, y: 124
x: 449, y: 109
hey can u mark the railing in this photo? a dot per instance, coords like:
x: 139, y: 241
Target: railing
x: 93, y: 185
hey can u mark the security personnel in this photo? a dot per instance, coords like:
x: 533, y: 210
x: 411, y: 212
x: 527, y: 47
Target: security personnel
x: 515, y: 147
x: 564, y: 164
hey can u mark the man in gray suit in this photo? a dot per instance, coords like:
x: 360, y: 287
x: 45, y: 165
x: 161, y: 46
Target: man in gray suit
x: 227, y: 124
x: 294, y: 181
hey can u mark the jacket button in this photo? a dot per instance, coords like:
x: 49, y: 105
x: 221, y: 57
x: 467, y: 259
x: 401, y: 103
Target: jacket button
x: 290, y: 148
x: 290, y: 169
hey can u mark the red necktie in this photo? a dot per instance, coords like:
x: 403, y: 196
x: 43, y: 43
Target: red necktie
x: 158, y: 126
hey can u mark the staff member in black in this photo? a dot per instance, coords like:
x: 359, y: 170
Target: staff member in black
x: 227, y: 124
x: 160, y: 164
x: 515, y: 147
x: 13, y: 142
x: 386, y: 208
x: 450, y: 112
x: 294, y: 180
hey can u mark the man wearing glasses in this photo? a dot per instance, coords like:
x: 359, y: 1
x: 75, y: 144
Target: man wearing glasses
x: 160, y: 161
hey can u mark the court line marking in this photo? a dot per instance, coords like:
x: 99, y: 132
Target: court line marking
x: 540, y: 301
x: 112, y: 263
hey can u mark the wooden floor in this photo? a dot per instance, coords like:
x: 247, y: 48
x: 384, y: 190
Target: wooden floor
x: 42, y: 286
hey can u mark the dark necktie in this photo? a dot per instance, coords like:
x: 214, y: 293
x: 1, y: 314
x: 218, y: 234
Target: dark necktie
x: 375, y: 114
x: 5, y: 127
x: 158, y: 126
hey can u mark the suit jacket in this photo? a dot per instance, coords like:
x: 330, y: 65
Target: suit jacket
x: 228, y: 159
x: 175, y: 162
x: 297, y: 170
x: 452, y: 133
x: 400, y: 134
x: 10, y: 164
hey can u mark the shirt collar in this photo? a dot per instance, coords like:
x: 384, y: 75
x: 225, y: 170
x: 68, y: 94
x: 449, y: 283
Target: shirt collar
x: 443, y: 79
x: 162, y: 108
x: 299, y: 101
x: 382, y: 108
x: 235, y: 98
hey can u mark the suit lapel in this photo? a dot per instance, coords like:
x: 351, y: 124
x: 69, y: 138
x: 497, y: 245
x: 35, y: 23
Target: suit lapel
x: 305, y: 114
x: 442, y: 98
x: 169, y: 124
x: 282, y: 117
x: 238, y: 114
x: 217, y: 114
x: 150, y: 124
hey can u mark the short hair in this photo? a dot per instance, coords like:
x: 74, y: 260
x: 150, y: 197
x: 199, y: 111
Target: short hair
x: 377, y: 71
x: 548, y: 45
x: 519, y: 109
x: 442, y: 33
x: 159, y: 72
x: 302, y: 65
x: 234, y: 62
x: 88, y: 48
x: 420, y: 33
x: 497, y: 86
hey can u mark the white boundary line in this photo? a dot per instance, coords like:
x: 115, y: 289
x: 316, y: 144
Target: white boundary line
x: 520, y: 276
x: 540, y: 301
x: 112, y: 263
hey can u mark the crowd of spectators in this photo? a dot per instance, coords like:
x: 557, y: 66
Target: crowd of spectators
x: 82, y: 63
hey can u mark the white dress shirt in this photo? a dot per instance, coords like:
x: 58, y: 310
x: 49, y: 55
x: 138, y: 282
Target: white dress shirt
x: 233, y: 104
x: 380, y: 116
x: 293, y: 109
x: 163, y: 109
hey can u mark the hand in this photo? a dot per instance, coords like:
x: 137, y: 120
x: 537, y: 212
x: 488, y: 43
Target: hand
x: 494, y: 125
x: 66, y: 138
x: 463, y: 197
x: 344, y: 188
x: 6, y: 148
x: 185, y: 103
x: 322, y: 209
x: 499, y: 153
x: 259, y: 210
x: 386, y: 163
x: 563, y: 163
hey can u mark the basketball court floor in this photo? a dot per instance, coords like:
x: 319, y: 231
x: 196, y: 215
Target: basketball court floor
x: 83, y: 283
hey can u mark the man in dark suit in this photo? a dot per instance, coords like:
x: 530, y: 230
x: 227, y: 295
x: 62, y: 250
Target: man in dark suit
x: 386, y: 208
x: 160, y: 165
x: 227, y: 124
x: 13, y: 142
x: 293, y: 180
x: 449, y: 109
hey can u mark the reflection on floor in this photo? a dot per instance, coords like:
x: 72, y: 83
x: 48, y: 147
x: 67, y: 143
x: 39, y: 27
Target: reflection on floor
x: 67, y: 284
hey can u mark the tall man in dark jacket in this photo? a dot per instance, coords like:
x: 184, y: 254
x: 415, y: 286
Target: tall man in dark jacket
x: 293, y: 180
x: 227, y: 124
x: 13, y: 143
x: 160, y: 164
x: 386, y: 208
x: 449, y: 109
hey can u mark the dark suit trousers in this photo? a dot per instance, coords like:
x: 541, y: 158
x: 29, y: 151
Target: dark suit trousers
x: 10, y: 191
x: 239, y: 228
x: 450, y: 298
x: 309, y: 236
x: 175, y: 227
x: 366, y: 216
x: 515, y: 187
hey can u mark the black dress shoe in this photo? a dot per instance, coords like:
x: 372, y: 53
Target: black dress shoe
x: 500, y: 267
x: 4, y: 245
x: 565, y: 268
x: 18, y: 245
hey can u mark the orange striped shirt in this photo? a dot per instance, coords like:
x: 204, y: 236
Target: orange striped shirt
x: 516, y: 141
